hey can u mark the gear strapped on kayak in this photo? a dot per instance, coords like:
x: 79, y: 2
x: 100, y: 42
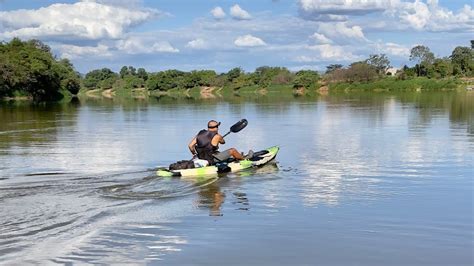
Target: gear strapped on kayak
x: 259, y: 158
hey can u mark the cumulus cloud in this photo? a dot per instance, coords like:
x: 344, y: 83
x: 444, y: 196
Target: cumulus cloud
x: 322, y: 9
x: 238, y: 13
x: 218, y: 13
x: 81, y: 20
x: 430, y: 16
x: 197, y: 44
x: 393, y: 49
x: 138, y: 45
x: 418, y: 14
x: 341, y: 33
x: 327, y: 52
x: 320, y: 38
x: 74, y: 52
x: 249, y: 41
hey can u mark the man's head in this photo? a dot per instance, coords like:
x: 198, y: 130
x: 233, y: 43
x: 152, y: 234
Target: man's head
x: 213, y: 125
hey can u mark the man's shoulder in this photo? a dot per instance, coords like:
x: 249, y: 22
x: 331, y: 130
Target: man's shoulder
x: 201, y: 131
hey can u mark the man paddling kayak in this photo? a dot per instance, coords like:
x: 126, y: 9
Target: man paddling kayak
x: 206, y: 145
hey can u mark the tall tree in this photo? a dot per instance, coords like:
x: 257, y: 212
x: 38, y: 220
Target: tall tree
x: 234, y: 73
x: 421, y: 54
x: 123, y: 71
x: 424, y: 57
x: 462, y: 58
x: 380, y: 62
x: 29, y: 67
x: 332, y: 68
x: 141, y: 73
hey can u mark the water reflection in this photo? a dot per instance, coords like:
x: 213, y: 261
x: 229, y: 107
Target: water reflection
x: 211, y: 197
x: 78, y: 183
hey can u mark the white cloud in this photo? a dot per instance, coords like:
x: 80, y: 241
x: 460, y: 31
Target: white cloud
x: 328, y: 52
x: 197, y: 44
x: 238, y: 13
x: 393, y: 49
x: 249, y: 41
x: 341, y: 33
x: 122, y: 3
x: 320, y: 38
x: 81, y: 20
x: 74, y: 52
x: 321, y: 9
x: 430, y: 16
x: 138, y: 45
x: 218, y: 13
x: 419, y: 15
x: 416, y: 15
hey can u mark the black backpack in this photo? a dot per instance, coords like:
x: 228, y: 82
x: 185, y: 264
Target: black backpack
x: 183, y: 164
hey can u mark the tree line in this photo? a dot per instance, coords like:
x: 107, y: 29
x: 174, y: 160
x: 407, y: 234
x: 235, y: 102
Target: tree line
x: 132, y: 78
x: 28, y: 68
x: 459, y: 64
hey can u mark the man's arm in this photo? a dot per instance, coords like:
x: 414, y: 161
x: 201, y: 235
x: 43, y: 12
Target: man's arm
x: 217, y: 139
x: 192, y: 146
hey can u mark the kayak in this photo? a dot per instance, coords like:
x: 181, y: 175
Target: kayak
x: 258, y: 159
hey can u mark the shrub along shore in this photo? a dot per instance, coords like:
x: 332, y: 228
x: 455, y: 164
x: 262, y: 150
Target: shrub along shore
x: 29, y: 70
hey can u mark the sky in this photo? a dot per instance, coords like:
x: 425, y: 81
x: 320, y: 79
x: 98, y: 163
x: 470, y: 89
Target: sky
x: 221, y: 35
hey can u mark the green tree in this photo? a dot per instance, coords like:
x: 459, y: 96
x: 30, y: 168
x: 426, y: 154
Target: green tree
x: 442, y: 67
x: 30, y: 68
x: 234, y: 73
x: 100, y: 79
x: 123, y: 71
x: 333, y: 67
x: 407, y: 72
x: 165, y: 80
x: 380, y: 62
x: 132, y: 82
x: 361, y: 71
x: 70, y: 79
x: 462, y: 58
x: 141, y: 73
x: 421, y: 53
x: 306, y: 79
x: 424, y: 57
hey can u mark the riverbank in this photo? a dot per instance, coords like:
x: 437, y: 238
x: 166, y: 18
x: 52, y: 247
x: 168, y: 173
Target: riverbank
x: 388, y: 84
x: 321, y: 88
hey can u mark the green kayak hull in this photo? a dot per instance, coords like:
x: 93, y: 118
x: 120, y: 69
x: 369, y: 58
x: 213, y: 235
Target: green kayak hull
x: 260, y: 158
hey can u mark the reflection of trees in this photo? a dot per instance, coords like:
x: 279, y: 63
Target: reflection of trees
x: 26, y: 124
x: 458, y: 105
x: 462, y: 110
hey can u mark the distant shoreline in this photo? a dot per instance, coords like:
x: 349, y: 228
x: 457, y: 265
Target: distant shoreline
x: 322, y: 88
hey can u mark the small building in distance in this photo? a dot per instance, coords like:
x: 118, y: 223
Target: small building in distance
x: 392, y: 71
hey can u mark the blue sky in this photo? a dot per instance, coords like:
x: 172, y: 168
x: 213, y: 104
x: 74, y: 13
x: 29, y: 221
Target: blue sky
x: 220, y: 35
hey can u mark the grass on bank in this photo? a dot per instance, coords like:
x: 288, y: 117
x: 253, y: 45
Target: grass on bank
x: 386, y: 84
x: 392, y: 84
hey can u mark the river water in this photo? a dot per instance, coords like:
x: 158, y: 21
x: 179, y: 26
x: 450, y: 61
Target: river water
x: 361, y: 179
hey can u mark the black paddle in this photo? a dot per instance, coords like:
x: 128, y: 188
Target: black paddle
x: 237, y: 127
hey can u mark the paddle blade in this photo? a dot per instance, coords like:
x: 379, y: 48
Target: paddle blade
x: 239, y: 126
